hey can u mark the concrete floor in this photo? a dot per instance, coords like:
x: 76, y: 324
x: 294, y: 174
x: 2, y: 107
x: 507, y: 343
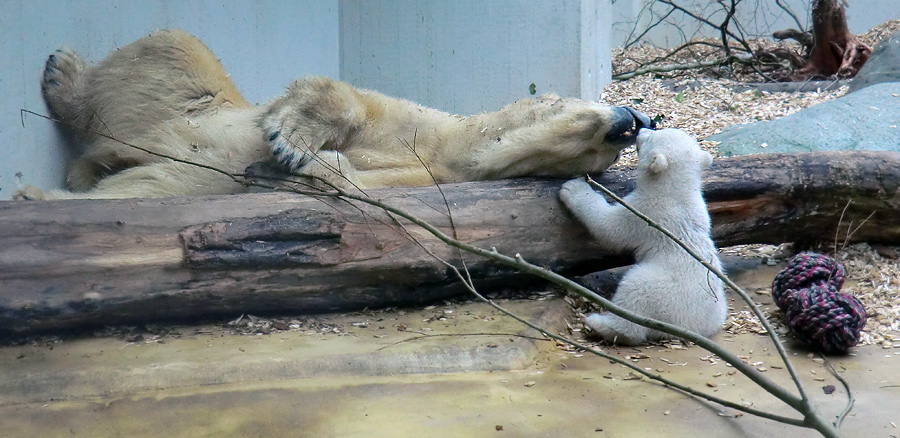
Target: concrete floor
x: 472, y: 373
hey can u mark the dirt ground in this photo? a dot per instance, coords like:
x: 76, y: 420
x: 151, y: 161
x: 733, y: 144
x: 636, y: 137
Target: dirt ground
x: 458, y: 369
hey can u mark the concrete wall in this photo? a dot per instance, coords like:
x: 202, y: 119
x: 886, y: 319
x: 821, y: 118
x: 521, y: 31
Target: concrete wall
x: 463, y: 56
x: 264, y: 44
x: 468, y: 56
x: 758, y: 18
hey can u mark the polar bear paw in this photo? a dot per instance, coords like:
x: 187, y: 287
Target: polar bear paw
x: 62, y: 74
x: 290, y: 155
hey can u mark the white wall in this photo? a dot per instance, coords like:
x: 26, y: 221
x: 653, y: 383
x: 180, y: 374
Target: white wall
x: 759, y: 18
x: 264, y: 44
x: 463, y: 56
x: 468, y: 56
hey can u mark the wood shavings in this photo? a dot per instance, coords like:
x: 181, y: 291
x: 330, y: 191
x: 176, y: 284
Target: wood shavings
x: 875, y: 281
x: 745, y: 321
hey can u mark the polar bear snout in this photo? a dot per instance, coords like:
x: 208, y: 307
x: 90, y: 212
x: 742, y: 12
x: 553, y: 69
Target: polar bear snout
x: 626, y: 123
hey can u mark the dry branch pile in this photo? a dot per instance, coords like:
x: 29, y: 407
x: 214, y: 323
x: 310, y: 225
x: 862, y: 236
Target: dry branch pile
x: 705, y: 50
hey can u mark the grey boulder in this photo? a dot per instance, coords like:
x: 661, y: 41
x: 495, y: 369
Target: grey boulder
x: 868, y: 119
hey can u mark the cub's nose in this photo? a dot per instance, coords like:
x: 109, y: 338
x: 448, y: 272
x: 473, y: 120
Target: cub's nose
x: 626, y: 123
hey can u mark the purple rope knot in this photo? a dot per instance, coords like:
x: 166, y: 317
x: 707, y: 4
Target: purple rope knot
x: 807, y: 292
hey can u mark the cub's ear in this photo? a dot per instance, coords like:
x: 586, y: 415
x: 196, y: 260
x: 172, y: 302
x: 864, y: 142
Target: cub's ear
x: 658, y: 163
x: 706, y: 160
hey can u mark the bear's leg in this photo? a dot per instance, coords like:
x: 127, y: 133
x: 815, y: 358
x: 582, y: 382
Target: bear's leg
x: 331, y: 167
x: 316, y: 113
x: 165, y: 76
x: 152, y: 80
x: 154, y: 180
x: 83, y: 173
x: 336, y: 169
x: 61, y: 85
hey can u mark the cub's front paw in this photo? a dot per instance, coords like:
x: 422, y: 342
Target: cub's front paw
x: 287, y: 152
x: 573, y: 189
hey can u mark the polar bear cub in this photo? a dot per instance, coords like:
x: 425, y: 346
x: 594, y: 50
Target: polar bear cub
x: 665, y: 283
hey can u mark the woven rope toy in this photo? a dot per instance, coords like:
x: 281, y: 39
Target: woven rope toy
x: 807, y: 291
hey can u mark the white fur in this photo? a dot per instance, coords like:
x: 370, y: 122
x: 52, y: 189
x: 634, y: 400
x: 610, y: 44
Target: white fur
x: 169, y: 94
x: 665, y: 283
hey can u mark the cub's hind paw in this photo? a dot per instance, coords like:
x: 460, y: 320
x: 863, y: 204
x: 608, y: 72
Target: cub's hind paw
x: 62, y: 73
x: 600, y: 325
x: 289, y: 155
x: 615, y: 330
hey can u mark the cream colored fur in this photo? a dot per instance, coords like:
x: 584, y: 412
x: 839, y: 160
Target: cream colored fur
x: 665, y: 283
x: 169, y: 94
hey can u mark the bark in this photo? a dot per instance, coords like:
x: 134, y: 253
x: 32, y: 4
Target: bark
x: 835, y: 52
x: 66, y: 264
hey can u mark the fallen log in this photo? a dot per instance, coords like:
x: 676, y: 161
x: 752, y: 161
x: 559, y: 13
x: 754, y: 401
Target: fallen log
x: 74, y: 263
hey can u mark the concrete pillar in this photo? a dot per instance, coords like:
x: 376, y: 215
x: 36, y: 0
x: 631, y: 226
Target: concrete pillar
x: 468, y: 56
x: 264, y: 44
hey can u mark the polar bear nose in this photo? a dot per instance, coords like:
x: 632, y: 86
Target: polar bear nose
x: 626, y: 123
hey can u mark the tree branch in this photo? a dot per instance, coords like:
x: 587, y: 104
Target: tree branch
x: 743, y: 59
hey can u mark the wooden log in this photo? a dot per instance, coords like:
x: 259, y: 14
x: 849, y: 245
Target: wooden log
x: 74, y: 263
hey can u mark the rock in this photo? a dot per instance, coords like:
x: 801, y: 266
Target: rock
x: 866, y: 120
x: 882, y: 66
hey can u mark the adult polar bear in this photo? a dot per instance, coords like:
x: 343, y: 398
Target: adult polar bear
x: 169, y: 94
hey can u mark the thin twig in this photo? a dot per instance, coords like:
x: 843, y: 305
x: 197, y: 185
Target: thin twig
x: 635, y: 368
x: 851, y: 233
x: 837, y: 230
x: 850, y: 399
x: 632, y: 41
x: 738, y: 38
x: 785, y: 8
